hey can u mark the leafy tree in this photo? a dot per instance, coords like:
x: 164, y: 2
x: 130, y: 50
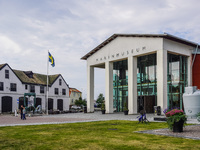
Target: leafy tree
x: 100, y: 100
x: 80, y: 102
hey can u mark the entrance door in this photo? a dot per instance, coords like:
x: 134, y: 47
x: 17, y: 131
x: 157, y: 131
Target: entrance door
x: 21, y: 102
x: 6, y: 104
x: 147, y: 103
x: 50, y: 104
x: 60, y: 104
x: 38, y: 102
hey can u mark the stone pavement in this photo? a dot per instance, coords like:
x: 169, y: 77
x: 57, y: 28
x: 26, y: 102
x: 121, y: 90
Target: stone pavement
x: 10, y: 120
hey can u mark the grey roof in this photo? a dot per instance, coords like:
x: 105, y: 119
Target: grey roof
x: 165, y: 35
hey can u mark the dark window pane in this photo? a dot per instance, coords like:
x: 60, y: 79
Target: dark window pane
x: 41, y: 89
x: 60, y: 81
x: 7, y: 74
x: 1, y: 86
x: 32, y: 89
x: 56, y: 91
x: 13, y: 87
x: 63, y: 91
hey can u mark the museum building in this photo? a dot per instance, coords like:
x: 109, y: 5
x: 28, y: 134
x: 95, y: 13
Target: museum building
x: 143, y: 70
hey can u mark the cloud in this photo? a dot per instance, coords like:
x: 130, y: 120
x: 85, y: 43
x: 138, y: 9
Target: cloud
x: 8, y: 46
x: 70, y: 29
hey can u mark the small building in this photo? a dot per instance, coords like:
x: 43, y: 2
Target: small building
x: 14, y: 83
x: 143, y: 70
x: 74, y: 95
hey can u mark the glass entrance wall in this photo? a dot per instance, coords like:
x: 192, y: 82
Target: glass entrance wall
x: 120, y: 84
x: 146, y: 75
x: 176, y: 79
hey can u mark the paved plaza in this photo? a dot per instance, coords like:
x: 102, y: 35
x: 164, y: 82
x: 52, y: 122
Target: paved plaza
x: 11, y: 120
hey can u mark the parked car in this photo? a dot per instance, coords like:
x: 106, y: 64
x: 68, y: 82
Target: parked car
x: 75, y: 107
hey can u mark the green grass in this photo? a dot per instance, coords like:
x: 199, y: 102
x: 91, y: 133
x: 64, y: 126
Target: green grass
x: 110, y: 135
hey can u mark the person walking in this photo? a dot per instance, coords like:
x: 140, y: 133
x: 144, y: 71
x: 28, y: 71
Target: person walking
x: 21, y: 111
x: 24, y: 113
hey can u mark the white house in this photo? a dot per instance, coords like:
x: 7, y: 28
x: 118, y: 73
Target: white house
x: 74, y: 95
x: 14, y: 83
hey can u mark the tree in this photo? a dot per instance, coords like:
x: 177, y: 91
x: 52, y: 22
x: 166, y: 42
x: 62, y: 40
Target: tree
x: 80, y: 102
x: 100, y: 100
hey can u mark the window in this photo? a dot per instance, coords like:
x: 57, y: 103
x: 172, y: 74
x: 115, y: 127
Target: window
x: 41, y: 89
x: 7, y: 74
x: 13, y: 87
x: 32, y: 88
x: 63, y: 91
x: 26, y: 87
x: 1, y: 86
x: 56, y: 91
x: 60, y: 81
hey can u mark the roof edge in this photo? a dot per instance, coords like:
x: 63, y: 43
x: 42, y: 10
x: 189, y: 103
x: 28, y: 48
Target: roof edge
x: 164, y: 35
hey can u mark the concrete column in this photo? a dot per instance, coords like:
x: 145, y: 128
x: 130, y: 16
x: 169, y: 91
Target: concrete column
x: 132, y: 85
x: 162, y: 79
x: 109, y: 87
x: 189, y: 71
x: 90, y: 89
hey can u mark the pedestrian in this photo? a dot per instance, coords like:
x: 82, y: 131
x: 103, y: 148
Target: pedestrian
x: 24, y: 113
x: 21, y: 111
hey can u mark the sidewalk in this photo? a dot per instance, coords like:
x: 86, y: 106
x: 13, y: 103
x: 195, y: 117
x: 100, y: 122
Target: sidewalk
x: 10, y: 120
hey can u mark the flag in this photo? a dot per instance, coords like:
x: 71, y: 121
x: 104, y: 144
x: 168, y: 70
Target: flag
x: 51, y: 60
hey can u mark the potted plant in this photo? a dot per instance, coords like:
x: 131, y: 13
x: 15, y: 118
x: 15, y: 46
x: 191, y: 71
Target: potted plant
x: 103, y: 110
x: 176, y: 119
x: 125, y: 109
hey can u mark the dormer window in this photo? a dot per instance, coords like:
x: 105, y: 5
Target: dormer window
x: 29, y: 74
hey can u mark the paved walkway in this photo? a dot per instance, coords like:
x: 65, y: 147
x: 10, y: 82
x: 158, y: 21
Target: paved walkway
x: 10, y: 120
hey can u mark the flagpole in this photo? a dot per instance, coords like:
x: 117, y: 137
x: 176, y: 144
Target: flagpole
x: 47, y: 82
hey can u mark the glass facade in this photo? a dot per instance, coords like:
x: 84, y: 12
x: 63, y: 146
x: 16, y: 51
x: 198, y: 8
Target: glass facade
x: 146, y: 75
x: 176, y: 79
x: 120, y: 85
x: 147, y: 80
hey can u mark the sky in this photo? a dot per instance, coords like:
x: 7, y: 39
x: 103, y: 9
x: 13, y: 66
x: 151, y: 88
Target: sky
x: 71, y: 28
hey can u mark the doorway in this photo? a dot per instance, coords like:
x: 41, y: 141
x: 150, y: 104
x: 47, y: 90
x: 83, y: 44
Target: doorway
x: 6, y: 104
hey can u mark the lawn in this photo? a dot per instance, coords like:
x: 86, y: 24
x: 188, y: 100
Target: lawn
x: 111, y: 135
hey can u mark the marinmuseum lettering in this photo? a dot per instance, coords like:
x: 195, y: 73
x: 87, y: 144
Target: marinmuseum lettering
x: 124, y: 53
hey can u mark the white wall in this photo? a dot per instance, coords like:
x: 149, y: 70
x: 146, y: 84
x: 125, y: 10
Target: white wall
x: 123, y: 47
x: 65, y: 98
x: 21, y: 90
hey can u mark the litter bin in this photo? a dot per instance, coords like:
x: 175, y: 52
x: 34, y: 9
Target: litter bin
x: 85, y: 109
x: 155, y: 110
x: 158, y: 110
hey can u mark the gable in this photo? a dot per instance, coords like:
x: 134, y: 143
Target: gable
x: 165, y: 36
x: 123, y: 47
x: 56, y: 81
x: 12, y: 74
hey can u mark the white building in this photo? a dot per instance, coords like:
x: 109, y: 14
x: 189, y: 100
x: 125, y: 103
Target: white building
x: 74, y: 95
x: 141, y: 69
x: 14, y: 83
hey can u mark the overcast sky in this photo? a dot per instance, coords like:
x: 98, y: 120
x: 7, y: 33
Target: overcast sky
x: 71, y: 28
